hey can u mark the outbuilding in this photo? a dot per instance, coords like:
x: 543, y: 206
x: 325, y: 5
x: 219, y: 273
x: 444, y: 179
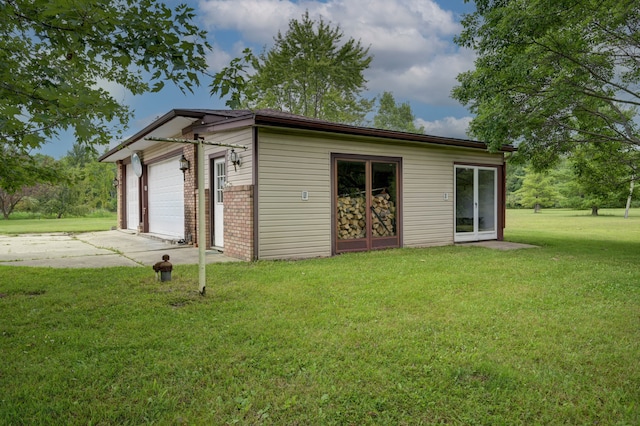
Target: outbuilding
x: 281, y: 186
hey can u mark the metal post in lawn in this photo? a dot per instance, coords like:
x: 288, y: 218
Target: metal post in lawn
x: 202, y: 234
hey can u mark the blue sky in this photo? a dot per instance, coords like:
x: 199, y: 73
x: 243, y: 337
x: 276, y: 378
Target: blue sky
x: 411, y: 41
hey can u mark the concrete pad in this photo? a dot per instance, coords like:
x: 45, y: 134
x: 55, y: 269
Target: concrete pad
x: 498, y: 245
x: 96, y: 249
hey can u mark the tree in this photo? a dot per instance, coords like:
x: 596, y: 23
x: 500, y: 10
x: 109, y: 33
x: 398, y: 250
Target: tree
x: 538, y: 190
x: 8, y: 202
x: 55, y: 56
x: 309, y: 71
x: 90, y: 181
x: 551, y: 76
x: 81, y: 155
x: 97, y: 186
x: 18, y: 170
x: 515, y: 176
x: 20, y: 173
x: 392, y: 116
x: 603, y: 174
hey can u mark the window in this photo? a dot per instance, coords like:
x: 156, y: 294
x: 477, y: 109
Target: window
x: 220, y: 181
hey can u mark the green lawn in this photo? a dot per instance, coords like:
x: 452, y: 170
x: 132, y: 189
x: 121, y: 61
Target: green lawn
x: 457, y: 335
x: 35, y: 226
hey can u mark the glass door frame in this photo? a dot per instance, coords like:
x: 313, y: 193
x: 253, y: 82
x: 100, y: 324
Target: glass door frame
x: 476, y: 234
x: 368, y: 242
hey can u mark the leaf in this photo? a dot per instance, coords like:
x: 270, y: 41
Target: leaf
x: 52, y: 61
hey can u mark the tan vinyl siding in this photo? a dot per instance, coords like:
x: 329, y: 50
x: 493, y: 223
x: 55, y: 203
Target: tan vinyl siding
x: 243, y: 175
x: 291, y: 163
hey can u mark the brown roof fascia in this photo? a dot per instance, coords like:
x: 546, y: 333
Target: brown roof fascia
x: 220, y: 120
x: 274, y: 118
x: 282, y: 120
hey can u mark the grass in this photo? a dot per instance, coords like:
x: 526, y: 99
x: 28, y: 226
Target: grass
x: 101, y: 222
x: 461, y: 335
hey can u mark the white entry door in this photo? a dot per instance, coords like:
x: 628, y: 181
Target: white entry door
x: 476, y: 195
x: 219, y: 180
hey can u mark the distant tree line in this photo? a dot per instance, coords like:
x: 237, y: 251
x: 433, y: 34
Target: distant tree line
x: 585, y: 181
x: 75, y: 185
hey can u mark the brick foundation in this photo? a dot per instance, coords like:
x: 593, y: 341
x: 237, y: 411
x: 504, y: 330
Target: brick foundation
x: 238, y: 222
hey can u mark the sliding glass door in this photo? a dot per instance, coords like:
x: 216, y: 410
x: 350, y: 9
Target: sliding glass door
x: 476, y: 207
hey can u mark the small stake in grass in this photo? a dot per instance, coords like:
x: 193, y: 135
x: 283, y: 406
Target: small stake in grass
x: 163, y: 269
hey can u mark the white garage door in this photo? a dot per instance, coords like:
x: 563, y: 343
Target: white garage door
x: 166, y: 198
x: 133, y: 199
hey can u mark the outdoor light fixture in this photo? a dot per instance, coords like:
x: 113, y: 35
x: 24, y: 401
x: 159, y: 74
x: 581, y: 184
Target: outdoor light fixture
x: 116, y: 182
x: 235, y: 159
x: 184, y: 164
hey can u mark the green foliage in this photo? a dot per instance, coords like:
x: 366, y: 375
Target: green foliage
x: 602, y: 174
x: 310, y: 71
x: 537, y: 190
x: 80, y: 185
x: 391, y: 116
x: 60, y: 200
x: 552, y: 75
x: 592, y: 178
x: 18, y: 169
x: 57, y: 56
x: 387, y: 337
x: 515, y: 176
x: 20, y: 174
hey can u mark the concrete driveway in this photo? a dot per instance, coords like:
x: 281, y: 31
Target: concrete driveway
x: 96, y: 250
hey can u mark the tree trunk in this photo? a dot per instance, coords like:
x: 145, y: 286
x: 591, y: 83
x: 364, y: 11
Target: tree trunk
x: 594, y: 210
x: 626, y: 210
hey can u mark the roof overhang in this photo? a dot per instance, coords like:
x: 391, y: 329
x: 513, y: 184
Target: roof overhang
x: 276, y: 119
x: 205, y: 122
x: 169, y: 125
x: 283, y: 121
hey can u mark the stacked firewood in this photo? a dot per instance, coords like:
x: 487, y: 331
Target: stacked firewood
x: 351, y: 217
x: 351, y: 221
x: 383, y: 216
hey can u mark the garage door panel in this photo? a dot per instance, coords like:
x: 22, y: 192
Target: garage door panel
x: 166, y: 198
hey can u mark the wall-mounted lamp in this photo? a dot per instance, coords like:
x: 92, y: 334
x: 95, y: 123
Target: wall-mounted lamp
x: 235, y: 159
x: 116, y: 182
x: 184, y: 164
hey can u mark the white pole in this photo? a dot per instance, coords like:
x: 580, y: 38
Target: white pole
x: 202, y: 235
x: 626, y: 210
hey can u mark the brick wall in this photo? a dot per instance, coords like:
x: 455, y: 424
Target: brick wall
x: 238, y: 222
x: 190, y: 193
x: 191, y: 197
x: 207, y: 216
x: 120, y: 190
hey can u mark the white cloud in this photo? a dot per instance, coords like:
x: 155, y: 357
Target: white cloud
x: 218, y: 58
x: 411, y: 40
x: 116, y: 90
x: 429, y: 81
x: 257, y: 20
x: 448, y: 127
